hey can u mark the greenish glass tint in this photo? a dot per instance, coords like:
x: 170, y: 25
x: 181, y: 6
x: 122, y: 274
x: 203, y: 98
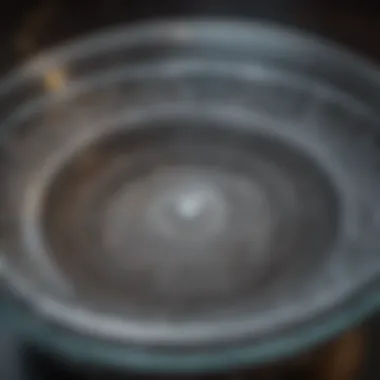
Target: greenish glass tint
x: 77, y: 348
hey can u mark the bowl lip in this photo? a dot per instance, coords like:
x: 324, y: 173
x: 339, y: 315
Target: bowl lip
x: 283, y: 36
x: 88, y: 349
x: 82, y: 350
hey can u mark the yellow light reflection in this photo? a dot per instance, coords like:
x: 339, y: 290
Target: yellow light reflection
x: 55, y: 80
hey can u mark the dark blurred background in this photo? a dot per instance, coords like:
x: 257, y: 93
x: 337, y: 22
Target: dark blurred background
x: 27, y: 27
